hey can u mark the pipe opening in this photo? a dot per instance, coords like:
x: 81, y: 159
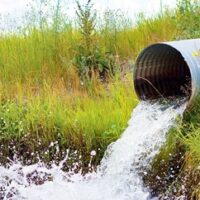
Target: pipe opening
x: 161, y: 72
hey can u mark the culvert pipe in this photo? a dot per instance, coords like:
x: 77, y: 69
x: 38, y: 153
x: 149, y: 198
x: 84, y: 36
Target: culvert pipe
x: 168, y: 69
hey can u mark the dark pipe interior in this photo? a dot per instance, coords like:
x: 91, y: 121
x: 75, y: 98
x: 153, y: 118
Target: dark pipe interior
x: 161, y: 71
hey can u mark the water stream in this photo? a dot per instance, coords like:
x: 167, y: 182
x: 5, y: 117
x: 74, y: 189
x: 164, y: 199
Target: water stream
x: 118, y: 176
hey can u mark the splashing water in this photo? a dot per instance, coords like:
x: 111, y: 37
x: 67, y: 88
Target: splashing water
x: 117, y: 177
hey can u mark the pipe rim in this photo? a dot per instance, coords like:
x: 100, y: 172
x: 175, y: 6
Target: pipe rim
x: 192, y: 85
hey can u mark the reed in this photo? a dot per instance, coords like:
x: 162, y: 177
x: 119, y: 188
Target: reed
x: 43, y: 93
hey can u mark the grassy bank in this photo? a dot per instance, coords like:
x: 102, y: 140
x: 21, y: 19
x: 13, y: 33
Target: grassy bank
x: 72, y: 83
x: 33, y: 118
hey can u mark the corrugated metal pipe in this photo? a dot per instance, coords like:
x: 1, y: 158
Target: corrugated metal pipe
x: 168, y: 69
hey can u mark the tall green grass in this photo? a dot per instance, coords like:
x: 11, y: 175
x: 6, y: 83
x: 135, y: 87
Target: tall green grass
x: 43, y: 96
x: 77, y: 120
x: 39, y: 52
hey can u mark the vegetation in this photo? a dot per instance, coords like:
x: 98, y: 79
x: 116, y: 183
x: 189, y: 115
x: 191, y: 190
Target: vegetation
x: 70, y: 82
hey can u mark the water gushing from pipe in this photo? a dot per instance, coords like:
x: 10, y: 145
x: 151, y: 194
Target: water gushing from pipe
x: 118, y: 176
